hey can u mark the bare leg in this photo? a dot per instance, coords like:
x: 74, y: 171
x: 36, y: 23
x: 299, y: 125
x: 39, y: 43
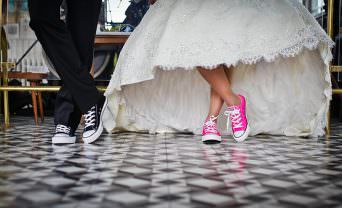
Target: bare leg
x: 220, y: 84
x: 216, y: 103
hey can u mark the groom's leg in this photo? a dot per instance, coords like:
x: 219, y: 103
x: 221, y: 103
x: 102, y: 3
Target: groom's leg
x: 82, y: 23
x: 59, y: 45
x: 66, y: 111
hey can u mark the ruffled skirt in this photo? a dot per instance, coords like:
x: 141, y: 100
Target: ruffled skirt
x: 277, y: 53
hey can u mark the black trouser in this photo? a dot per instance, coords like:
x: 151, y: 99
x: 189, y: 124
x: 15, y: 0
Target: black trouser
x: 70, y: 49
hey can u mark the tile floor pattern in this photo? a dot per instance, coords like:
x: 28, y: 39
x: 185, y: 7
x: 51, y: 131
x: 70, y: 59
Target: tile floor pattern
x: 157, y: 171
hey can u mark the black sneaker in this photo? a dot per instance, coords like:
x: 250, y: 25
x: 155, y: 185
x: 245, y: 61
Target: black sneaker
x: 93, y: 122
x: 63, y: 135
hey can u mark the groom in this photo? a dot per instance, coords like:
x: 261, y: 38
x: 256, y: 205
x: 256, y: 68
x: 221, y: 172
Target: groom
x: 69, y: 46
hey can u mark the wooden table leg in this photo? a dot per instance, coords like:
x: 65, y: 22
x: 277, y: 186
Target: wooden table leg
x: 92, y: 70
x: 41, y: 106
x: 34, y: 103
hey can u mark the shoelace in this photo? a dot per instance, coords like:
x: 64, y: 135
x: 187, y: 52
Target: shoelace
x: 89, y: 117
x: 235, y: 116
x: 62, y: 129
x: 210, y: 125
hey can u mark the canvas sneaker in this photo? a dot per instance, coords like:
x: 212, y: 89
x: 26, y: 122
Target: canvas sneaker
x: 93, y: 122
x: 210, y: 133
x: 238, y: 120
x: 63, y: 135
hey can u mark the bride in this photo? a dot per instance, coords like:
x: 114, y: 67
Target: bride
x: 191, y: 62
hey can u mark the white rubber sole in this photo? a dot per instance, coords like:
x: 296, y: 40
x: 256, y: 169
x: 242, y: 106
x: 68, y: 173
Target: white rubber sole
x: 97, y: 134
x: 63, y: 140
x: 243, y: 137
x: 211, y: 138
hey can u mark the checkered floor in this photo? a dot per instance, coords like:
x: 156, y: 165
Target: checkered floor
x: 139, y: 170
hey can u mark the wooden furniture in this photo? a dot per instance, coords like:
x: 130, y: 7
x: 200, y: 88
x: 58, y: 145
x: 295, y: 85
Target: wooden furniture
x: 35, y: 79
x: 110, y: 38
x: 101, y: 39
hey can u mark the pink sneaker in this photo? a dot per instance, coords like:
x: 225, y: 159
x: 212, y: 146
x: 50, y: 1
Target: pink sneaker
x: 210, y: 131
x: 237, y: 116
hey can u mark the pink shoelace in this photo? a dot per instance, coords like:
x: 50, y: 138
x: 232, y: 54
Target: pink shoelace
x: 210, y: 125
x: 235, y: 116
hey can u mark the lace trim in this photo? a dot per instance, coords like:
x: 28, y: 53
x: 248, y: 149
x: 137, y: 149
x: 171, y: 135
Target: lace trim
x: 310, y: 38
x: 307, y: 38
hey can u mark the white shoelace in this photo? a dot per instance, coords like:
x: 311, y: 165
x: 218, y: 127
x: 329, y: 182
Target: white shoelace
x: 235, y: 116
x: 62, y: 129
x: 210, y: 125
x: 89, y: 117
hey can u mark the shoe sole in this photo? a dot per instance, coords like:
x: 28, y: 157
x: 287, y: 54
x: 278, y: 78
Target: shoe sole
x: 98, y: 132
x: 63, y: 140
x: 243, y: 137
x: 211, y: 138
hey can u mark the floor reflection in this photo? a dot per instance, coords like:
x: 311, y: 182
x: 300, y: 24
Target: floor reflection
x: 139, y: 170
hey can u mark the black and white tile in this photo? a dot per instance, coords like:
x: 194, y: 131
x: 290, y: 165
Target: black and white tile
x: 171, y: 171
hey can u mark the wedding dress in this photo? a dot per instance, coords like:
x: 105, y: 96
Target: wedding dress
x: 277, y: 52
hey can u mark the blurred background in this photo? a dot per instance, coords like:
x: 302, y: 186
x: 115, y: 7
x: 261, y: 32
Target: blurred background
x: 118, y: 17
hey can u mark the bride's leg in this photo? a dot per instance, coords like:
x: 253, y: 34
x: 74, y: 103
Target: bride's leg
x: 220, y: 84
x: 216, y: 103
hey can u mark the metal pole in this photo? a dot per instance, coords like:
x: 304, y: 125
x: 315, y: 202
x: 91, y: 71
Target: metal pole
x: 330, y: 30
x: 6, y: 106
x: 3, y: 19
x: 5, y: 69
x: 39, y: 88
x: 330, y: 25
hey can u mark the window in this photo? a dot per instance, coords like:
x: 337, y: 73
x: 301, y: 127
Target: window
x: 124, y: 15
x: 115, y: 10
x: 316, y: 7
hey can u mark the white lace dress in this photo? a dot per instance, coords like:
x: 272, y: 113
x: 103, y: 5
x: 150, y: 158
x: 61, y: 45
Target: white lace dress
x: 276, y: 50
